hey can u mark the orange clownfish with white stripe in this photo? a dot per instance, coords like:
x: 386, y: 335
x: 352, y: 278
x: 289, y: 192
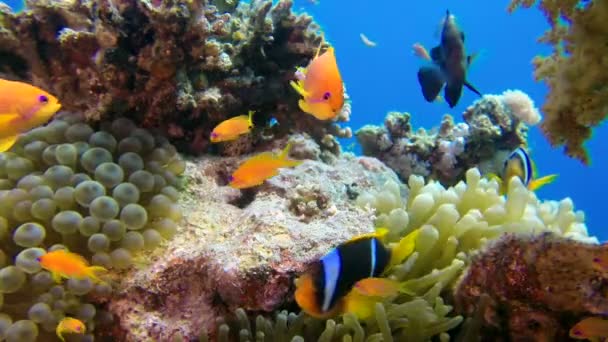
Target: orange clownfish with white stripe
x: 320, y: 86
x: 349, y: 277
x: 519, y: 164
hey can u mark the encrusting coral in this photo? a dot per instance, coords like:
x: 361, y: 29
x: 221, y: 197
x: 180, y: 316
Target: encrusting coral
x: 575, y: 72
x: 531, y: 287
x: 106, y: 194
x: 492, y: 124
x: 183, y: 66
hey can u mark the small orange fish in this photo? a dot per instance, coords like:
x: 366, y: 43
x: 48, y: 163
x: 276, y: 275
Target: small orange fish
x: 70, y: 325
x: 320, y: 86
x: 64, y: 264
x: 590, y: 328
x: 232, y: 128
x: 22, y: 107
x: 255, y: 170
x: 421, y: 51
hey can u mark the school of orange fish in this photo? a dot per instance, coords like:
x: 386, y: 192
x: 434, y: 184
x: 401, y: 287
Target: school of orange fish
x: 350, y: 277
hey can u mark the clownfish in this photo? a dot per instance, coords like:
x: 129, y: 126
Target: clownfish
x: 70, y: 325
x: 64, y: 264
x: 232, y: 128
x: 320, y: 86
x: 257, y: 169
x: 348, y: 278
x: 519, y: 164
x: 590, y: 328
x: 23, y: 107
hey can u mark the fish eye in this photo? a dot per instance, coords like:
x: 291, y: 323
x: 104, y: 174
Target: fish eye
x: 230, y: 178
x: 43, y: 99
x: 326, y: 96
x: 38, y: 259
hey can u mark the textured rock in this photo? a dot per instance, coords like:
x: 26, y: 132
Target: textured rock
x: 242, y: 249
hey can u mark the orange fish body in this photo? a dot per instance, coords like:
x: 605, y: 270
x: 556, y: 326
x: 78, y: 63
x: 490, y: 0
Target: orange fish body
x: 22, y: 107
x: 321, y: 88
x: 255, y: 170
x: 232, y: 128
x: 64, y: 264
x: 590, y: 328
x: 70, y: 325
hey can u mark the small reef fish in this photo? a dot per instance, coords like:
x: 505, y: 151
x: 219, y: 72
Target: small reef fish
x: 421, y: 51
x: 449, y: 68
x: 23, y: 107
x: 232, y: 128
x: 367, y: 41
x: 519, y: 164
x: 64, y: 264
x: 320, y: 86
x: 348, y: 278
x: 590, y: 328
x: 70, y: 325
x: 257, y: 169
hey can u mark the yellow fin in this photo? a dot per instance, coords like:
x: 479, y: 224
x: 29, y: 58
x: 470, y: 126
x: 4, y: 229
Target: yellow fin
x: 93, y: 270
x: 299, y: 87
x: 56, y: 276
x: 250, y: 118
x: 377, y: 287
x: 380, y: 234
x: 7, y: 142
x: 360, y: 305
x: 540, y: 182
x: 404, y: 248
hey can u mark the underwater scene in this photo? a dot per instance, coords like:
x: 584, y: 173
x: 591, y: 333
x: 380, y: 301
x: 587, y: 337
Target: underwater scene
x: 303, y: 170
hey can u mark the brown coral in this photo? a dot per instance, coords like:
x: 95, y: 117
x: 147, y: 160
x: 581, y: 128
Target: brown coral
x: 531, y: 288
x: 575, y: 72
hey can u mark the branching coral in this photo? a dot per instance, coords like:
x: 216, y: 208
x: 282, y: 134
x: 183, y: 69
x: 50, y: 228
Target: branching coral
x: 183, y: 66
x: 575, y: 71
x: 106, y: 194
x: 491, y: 124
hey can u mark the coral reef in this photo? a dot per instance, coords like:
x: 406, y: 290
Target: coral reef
x: 242, y: 248
x: 575, y: 72
x: 492, y: 124
x: 183, y: 66
x: 531, y: 287
x: 107, y: 194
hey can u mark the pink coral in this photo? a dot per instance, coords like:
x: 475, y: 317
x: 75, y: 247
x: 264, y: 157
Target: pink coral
x: 521, y: 106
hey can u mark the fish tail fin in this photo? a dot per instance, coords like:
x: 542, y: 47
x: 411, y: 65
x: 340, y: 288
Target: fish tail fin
x: 431, y: 80
x: 405, y: 247
x: 7, y: 142
x: 452, y: 93
x: 472, y: 88
x: 93, y: 270
x: 299, y: 87
x: 250, y: 118
x: 540, y: 182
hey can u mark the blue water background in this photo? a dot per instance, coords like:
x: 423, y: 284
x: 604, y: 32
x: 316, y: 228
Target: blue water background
x: 383, y: 78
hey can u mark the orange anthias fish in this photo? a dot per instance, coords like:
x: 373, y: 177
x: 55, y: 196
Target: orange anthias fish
x: 70, y: 325
x: 320, y: 86
x: 22, y: 107
x: 421, y: 51
x: 349, y: 277
x: 255, y: 170
x: 64, y: 264
x: 590, y: 328
x: 232, y: 128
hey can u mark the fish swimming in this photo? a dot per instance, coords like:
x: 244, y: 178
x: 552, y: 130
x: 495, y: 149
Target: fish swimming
x: 348, y: 278
x: 257, y: 169
x: 64, y: 264
x: 368, y: 42
x: 232, y: 128
x: 320, y: 85
x: 519, y: 164
x: 70, y: 325
x: 23, y: 107
x: 449, y: 66
x: 590, y: 328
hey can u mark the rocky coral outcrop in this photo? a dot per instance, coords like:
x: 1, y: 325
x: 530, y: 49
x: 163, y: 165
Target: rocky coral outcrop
x: 242, y: 249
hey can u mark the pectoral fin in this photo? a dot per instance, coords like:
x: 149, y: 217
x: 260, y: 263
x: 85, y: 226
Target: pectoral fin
x: 472, y: 88
x: 540, y: 182
x: 452, y: 93
x: 299, y: 87
x: 431, y: 80
x: 377, y: 287
x: 7, y: 142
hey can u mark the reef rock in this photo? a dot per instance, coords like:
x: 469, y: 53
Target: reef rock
x: 242, y: 248
x: 530, y: 288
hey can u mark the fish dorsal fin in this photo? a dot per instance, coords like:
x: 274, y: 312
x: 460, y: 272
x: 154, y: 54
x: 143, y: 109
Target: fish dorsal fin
x: 436, y: 54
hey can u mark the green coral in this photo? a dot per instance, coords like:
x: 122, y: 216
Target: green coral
x: 105, y: 194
